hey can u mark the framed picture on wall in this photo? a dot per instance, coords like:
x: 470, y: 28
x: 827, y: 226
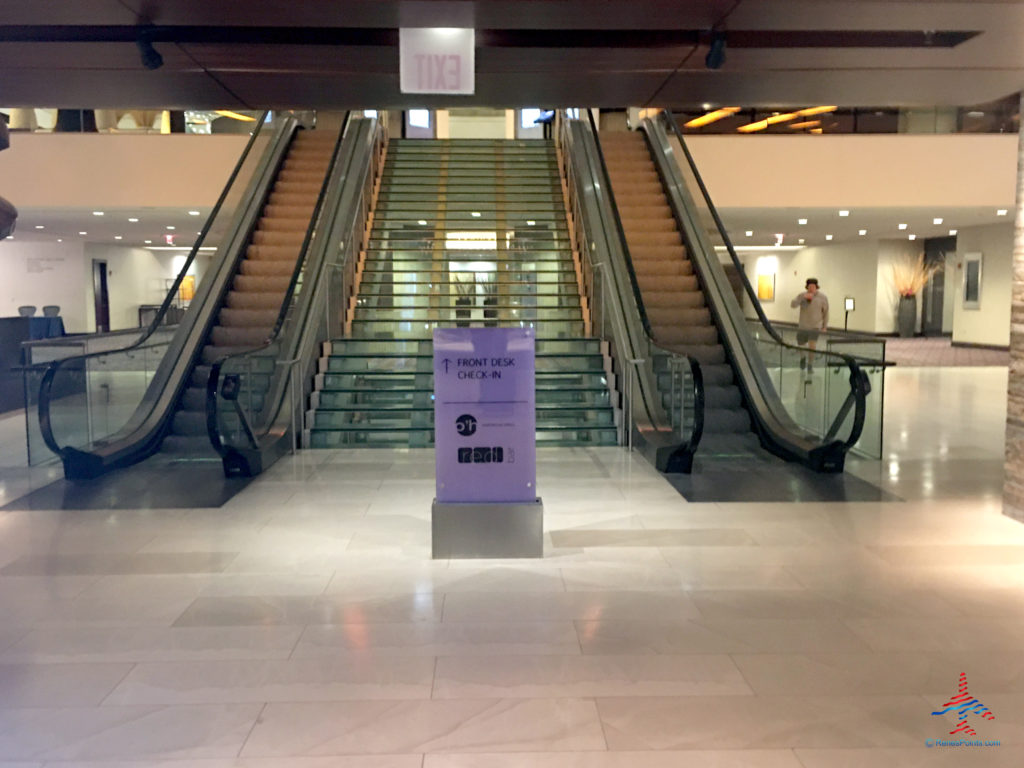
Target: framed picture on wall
x: 766, y: 287
x: 972, y: 281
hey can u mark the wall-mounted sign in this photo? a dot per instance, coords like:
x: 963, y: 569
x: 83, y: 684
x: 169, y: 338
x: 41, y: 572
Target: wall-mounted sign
x: 436, y: 60
x: 484, y: 415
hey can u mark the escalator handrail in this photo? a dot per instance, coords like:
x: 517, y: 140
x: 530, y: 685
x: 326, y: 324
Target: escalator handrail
x: 858, y: 379
x: 46, y: 384
x: 690, y: 445
x: 748, y: 288
x: 619, y: 230
x: 212, y: 384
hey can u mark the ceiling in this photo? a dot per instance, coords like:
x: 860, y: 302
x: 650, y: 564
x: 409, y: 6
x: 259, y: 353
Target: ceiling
x: 343, y: 54
x: 114, y: 227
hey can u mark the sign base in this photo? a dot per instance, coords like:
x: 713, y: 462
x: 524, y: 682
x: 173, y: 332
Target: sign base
x: 494, y: 530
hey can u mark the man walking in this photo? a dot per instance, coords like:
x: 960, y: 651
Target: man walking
x: 813, y: 306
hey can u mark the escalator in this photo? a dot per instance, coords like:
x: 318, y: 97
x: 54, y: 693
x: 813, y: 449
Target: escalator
x: 665, y: 214
x: 159, y: 396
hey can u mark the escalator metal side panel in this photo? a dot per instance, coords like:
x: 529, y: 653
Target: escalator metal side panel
x: 776, y: 430
x: 353, y: 163
x: 141, y: 437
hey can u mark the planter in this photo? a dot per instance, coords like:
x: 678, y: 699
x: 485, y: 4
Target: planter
x: 906, y: 316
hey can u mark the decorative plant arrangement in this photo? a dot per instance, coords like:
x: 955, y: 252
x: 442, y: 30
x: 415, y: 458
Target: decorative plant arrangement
x: 909, y: 277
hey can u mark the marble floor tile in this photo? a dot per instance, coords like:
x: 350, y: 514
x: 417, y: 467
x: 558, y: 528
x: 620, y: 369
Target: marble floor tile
x: 913, y: 757
x: 125, y: 733
x: 63, y: 685
x: 765, y: 722
x: 650, y: 606
x: 109, y: 563
x: 646, y: 537
x: 354, y: 677
x: 718, y: 636
x: 301, y: 610
x: 747, y: 758
x: 375, y: 727
x: 138, y: 644
x: 362, y: 761
x: 950, y: 634
x: 446, y: 639
x: 588, y: 676
x: 824, y: 673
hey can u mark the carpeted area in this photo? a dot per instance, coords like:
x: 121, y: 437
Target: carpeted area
x: 932, y: 352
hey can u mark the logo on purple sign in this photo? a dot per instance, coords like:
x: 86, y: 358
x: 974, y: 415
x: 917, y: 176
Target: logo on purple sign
x: 484, y: 415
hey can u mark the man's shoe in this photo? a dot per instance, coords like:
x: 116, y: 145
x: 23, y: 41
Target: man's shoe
x: 803, y: 363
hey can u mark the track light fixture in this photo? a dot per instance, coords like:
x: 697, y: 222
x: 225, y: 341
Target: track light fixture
x: 151, y: 58
x: 716, y: 53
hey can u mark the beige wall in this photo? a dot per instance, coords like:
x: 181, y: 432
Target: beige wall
x: 81, y: 170
x: 844, y: 269
x: 858, y: 171
x: 990, y: 324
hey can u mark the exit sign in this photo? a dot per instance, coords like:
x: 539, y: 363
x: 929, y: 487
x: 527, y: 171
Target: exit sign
x: 436, y: 60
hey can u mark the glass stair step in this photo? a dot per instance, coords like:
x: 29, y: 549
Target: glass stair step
x: 409, y: 398
x: 424, y: 363
x: 363, y: 417
x: 449, y: 301
x: 492, y: 313
x: 409, y: 380
x: 390, y: 329
x: 424, y: 438
x: 400, y: 348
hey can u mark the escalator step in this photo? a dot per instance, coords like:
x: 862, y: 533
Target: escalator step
x: 724, y: 420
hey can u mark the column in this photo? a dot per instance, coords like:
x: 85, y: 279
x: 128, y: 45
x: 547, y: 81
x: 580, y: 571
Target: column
x: 1013, y: 485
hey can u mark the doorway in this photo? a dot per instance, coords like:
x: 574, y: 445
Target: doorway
x: 100, y: 297
x: 933, y: 297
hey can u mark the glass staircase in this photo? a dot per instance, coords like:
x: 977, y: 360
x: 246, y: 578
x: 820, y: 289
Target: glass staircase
x: 465, y: 233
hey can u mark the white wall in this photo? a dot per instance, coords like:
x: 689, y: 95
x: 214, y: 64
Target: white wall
x: 990, y: 324
x: 45, y: 273
x: 887, y: 302
x: 844, y: 269
x: 135, y: 276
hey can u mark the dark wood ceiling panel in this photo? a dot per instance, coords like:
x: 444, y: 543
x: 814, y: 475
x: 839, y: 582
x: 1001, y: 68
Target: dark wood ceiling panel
x: 75, y: 89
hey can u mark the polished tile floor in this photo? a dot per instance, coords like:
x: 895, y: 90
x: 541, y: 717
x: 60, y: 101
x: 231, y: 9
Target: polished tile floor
x: 303, y: 624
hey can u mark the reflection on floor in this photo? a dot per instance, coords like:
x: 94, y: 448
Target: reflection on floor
x: 302, y: 624
x: 157, y: 483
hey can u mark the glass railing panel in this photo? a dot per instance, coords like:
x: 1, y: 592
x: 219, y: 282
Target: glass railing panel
x: 105, y: 390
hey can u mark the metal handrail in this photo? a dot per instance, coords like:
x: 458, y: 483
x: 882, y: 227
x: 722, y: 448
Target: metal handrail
x: 213, y: 428
x: 46, y: 384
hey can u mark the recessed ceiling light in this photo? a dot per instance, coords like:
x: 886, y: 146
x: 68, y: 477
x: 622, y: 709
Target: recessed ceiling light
x: 193, y: 213
x: 801, y: 241
x: 530, y: 222
x: 97, y: 213
x: 911, y: 237
x: 1002, y: 212
x: 199, y: 233
x: 901, y: 226
x: 133, y: 221
x: 60, y: 240
x: 83, y: 233
x: 828, y: 237
x: 170, y: 227
x: 862, y: 232
x: 475, y: 214
x: 749, y: 233
x: 40, y: 226
x: 117, y: 237
x: 937, y: 220
x: 801, y: 222
x: 952, y: 232
x: 148, y: 242
x: 844, y: 213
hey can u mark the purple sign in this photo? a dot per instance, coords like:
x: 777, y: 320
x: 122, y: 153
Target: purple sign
x: 484, y: 415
